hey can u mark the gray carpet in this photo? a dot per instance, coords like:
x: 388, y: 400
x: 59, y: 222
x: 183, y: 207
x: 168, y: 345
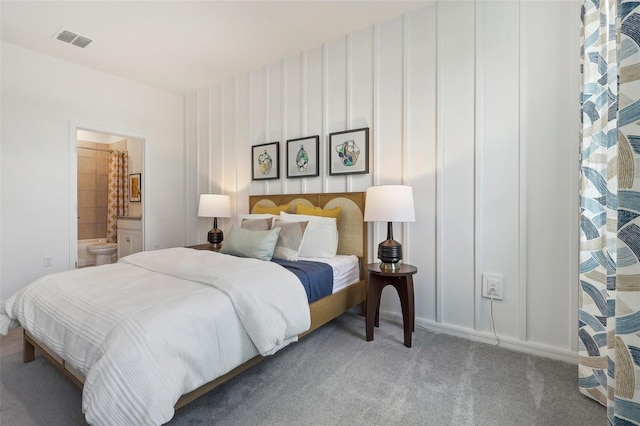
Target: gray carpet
x: 334, y: 377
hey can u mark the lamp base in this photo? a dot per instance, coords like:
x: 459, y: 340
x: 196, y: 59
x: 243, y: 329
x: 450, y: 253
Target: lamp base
x: 390, y: 267
x: 215, y: 246
x: 215, y: 237
x: 390, y: 251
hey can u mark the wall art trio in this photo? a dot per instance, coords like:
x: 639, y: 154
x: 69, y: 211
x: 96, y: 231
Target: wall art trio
x: 348, y: 154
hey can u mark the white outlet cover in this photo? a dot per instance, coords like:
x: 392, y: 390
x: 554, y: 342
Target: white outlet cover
x: 493, y: 286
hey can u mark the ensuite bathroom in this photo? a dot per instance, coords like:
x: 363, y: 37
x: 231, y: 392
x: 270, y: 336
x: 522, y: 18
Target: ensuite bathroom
x: 109, y: 203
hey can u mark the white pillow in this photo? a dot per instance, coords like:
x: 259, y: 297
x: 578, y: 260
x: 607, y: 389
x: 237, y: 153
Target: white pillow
x: 320, y: 237
x: 247, y: 243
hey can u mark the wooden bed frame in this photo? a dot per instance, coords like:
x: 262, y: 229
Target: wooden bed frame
x: 352, y: 240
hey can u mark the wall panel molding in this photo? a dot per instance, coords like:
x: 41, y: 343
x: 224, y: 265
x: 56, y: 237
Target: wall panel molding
x: 453, y: 107
x: 522, y: 192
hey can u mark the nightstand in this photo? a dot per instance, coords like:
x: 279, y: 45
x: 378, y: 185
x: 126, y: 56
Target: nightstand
x: 400, y: 278
x: 206, y: 246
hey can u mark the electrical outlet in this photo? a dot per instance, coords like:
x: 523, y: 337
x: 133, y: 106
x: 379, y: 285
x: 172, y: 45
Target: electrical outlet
x: 492, y: 286
x: 48, y: 261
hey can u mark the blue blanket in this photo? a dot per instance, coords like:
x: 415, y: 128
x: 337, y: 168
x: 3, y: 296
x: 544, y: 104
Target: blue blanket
x: 316, y: 277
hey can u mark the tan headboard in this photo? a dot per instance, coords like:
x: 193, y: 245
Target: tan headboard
x: 352, y: 229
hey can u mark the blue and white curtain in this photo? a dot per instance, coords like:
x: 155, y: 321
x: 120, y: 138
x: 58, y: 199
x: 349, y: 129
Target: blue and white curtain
x: 609, y: 299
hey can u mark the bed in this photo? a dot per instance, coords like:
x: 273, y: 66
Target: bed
x: 250, y: 342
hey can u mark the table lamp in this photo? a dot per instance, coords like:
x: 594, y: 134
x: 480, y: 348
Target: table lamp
x: 389, y: 203
x: 215, y: 206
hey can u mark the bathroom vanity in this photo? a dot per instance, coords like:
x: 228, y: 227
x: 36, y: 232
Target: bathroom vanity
x: 129, y: 236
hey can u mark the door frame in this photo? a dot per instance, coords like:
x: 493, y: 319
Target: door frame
x: 73, y: 181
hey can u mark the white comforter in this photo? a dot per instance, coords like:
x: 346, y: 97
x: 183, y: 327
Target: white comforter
x: 146, y: 330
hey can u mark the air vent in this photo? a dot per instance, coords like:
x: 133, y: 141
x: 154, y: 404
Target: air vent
x: 66, y: 36
x: 81, y: 41
x: 73, y: 38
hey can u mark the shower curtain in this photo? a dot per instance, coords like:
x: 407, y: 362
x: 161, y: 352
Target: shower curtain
x: 117, y: 192
x: 609, y: 297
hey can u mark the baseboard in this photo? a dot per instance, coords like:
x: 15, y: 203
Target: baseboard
x: 488, y: 338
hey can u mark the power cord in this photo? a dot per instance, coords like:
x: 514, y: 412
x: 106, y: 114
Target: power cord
x: 493, y: 324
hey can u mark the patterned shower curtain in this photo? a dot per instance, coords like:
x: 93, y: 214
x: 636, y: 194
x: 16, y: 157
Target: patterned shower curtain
x: 609, y: 297
x: 118, y: 192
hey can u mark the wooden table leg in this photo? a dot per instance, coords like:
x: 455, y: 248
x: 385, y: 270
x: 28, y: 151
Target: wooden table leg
x: 373, y: 303
x: 378, y: 294
x: 412, y: 302
x: 410, y: 322
x: 405, y: 292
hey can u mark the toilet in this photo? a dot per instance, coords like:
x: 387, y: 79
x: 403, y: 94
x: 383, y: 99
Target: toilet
x: 104, y: 252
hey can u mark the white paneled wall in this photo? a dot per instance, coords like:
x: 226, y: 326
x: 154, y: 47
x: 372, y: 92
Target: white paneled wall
x: 550, y: 167
x: 456, y: 162
x: 474, y: 104
x: 497, y: 156
x: 420, y: 131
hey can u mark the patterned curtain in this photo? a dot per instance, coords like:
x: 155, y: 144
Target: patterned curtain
x: 609, y: 298
x: 118, y: 192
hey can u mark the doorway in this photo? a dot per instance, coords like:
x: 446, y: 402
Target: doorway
x: 107, y: 190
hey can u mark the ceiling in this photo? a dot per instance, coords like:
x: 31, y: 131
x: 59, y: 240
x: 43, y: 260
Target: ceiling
x: 184, y: 45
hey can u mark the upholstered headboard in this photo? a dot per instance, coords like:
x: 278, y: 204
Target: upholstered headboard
x: 352, y: 229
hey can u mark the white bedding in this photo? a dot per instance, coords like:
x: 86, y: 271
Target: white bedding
x: 146, y: 330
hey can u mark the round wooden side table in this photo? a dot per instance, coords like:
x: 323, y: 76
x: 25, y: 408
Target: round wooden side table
x: 402, y: 279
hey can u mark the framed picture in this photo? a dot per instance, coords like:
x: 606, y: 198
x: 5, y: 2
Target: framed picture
x: 135, y: 194
x: 349, y: 152
x: 302, y: 157
x: 265, y: 161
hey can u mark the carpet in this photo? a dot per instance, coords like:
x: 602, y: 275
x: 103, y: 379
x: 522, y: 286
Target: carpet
x: 334, y: 377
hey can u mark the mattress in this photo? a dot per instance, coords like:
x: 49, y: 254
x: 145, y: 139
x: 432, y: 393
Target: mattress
x: 346, y: 269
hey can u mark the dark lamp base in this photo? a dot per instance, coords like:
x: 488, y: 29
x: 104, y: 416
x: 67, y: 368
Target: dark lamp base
x: 390, y: 251
x: 215, y: 237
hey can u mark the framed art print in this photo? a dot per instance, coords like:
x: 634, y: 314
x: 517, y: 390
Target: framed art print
x: 302, y: 157
x: 349, y: 152
x: 135, y: 193
x: 265, y: 161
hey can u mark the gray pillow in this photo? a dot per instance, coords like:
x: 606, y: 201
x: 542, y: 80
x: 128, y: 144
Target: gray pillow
x: 247, y: 243
x: 289, y: 240
x: 256, y: 224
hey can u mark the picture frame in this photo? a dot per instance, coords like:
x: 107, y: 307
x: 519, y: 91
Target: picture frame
x: 265, y: 161
x: 303, y: 159
x: 135, y: 183
x: 349, y: 152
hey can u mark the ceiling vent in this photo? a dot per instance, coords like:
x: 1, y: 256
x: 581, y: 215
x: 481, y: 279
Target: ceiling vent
x: 73, y: 38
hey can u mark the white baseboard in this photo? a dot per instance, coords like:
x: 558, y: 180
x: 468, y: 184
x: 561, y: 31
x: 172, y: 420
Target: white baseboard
x: 531, y: 348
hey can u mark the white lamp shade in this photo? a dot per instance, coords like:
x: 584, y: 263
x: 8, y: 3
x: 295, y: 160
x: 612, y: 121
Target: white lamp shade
x: 389, y: 203
x: 214, y: 205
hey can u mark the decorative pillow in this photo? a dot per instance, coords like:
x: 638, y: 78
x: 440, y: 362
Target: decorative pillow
x: 289, y: 240
x: 275, y: 210
x: 256, y: 224
x: 321, y: 235
x: 319, y: 211
x: 242, y: 217
x: 247, y: 243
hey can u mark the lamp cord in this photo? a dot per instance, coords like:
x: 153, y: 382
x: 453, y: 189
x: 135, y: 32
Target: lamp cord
x: 493, y: 324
